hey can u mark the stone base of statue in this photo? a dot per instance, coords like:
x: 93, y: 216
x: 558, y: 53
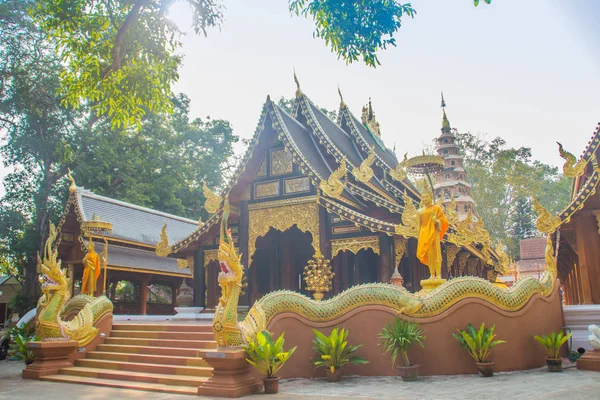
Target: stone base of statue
x: 231, y: 374
x: 590, y: 361
x: 50, y: 356
x: 429, y: 285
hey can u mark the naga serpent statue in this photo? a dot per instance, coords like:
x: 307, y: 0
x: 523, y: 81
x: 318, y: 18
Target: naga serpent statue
x: 231, y: 333
x: 58, y: 316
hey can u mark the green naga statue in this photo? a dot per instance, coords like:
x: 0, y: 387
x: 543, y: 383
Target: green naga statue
x: 58, y: 316
x: 230, y: 333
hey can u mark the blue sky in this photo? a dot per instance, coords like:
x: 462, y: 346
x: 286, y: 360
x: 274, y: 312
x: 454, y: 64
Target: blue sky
x: 527, y: 71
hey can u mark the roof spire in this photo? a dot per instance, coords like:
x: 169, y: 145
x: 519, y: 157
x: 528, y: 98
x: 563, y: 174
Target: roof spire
x: 342, y: 104
x: 298, y: 91
x: 443, y: 102
x: 445, y: 122
x: 368, y: 119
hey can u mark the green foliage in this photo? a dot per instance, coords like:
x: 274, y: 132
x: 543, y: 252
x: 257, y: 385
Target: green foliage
x: 120, y: 57
x: 476, y: 2
x: 356, y: 29
x: 21, y: 303
x: 18, y: 345
x: 553, y: 342
x: 397, y: 337
x: 478, y: 343
x: 334, y: 351
x: 266, y: 354
x: 502, y: 180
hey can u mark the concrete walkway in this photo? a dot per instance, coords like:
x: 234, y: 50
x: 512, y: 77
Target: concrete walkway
x: 537, y: 384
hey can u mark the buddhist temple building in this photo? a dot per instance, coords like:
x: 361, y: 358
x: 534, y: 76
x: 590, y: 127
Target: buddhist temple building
x: 309, y: 186
x: 578, y: 235
x: 451, y: 183
x: 138, y: 281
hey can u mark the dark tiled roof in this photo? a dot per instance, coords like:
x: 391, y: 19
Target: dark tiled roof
x: 131, y: 222
x: 533, y: 248
x: 127, y: 257
x: 383, y: 152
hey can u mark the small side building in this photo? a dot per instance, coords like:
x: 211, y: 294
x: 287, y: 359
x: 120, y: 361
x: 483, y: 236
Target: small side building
x: 137, y: 280
x: 9, y: 288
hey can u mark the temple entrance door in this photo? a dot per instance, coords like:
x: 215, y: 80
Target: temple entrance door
x: 355, y: 269
x: 278, y: 262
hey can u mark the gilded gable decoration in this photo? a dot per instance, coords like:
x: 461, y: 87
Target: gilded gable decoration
x: 368, y: 119
x: 354, y: 245
x: 266, y: 189
x: 572, y: 168
x: 182, y: 264
x: 464, y: 234
x: 545, y: 222
x: 162, y: 247
x: 281, y: 162
x: 304, y: 215
x: 210, y: 255
x: 399, y: 173
x: 399, y: 249
x: 296, y: 185
x: 410, y: 219
x: 364, y: 172
x: 213, y: 201
x: 261, y: 172
x: 333, y: 186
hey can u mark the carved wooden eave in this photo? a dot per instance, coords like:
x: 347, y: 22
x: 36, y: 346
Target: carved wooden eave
x: 579, y: 199
x: 355, y: 244
x: 185, y: 242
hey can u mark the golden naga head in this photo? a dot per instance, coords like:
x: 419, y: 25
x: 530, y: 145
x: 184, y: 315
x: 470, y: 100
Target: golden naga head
x: 229, y: 259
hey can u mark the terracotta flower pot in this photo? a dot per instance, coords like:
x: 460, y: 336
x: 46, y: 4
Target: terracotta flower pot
x: 486, y: 369
x: 408, y: 374
x: 271, y: 385
x: 334, y: 376
x: 554, y: 364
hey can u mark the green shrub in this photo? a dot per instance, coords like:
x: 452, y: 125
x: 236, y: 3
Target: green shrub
x: 397, y: 337
x: 478, y: 343
x: 334, y: 351
x: 552, y: 343
x: 18, y: 346
x: 267, y: 355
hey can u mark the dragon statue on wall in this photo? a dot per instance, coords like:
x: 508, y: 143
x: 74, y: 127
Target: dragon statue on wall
x: 60, y: 317
x: 231, y: 333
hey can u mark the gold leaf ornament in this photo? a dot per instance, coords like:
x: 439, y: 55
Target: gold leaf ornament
x: 399, y: 173
x: 162, y: 247
x: 213, y: 201
x: 410, y: 219
x: 545, y: 223
x: 364, y: 172
x: 333, y: 186
x: 571, y: 168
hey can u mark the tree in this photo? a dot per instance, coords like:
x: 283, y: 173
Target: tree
x: 502, y: 180
x: 121, y: 55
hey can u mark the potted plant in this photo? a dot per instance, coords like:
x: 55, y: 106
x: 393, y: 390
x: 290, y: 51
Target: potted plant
x: 479, y: 344
x: 552, y: 343
x: 335, y: 352
x: 268, y: 357
x: 396, y: 338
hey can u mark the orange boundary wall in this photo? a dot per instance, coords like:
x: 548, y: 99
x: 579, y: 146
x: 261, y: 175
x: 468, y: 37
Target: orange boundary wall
x: 442, y: 355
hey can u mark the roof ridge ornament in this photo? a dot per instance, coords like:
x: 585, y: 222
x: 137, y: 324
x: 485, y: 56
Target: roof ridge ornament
x: 571, y: 168
x: 213, y: 200
x: 368, y: 119
x: 364, y: 172
x: 298, y: 90
x: 342, y: 104
x: 399, y: 173
x: 162, y: 247
x: 333, y: 186
x: 72, y: 186
x: 546, y: 222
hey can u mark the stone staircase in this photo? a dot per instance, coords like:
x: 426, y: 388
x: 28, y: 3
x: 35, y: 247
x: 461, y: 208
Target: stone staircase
x: 152, y: 357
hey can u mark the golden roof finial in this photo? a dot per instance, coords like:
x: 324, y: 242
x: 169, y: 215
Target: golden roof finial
x: 213, y: 200
x: 342, y: 104
x: 445, y: 122
x: 162, y: 247
x: 298, y: 91
x: 443, y: 102
x: 72, y: 187
x: 368, y: 119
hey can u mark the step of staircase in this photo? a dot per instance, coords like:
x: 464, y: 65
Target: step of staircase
x: 151, y: 357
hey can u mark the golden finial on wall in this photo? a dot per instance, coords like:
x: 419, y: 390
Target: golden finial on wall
x: 364, y: 172
x: 333, y: 186
x: 72, y: 186
x: 162, y: 247
x: 571, y: 168
x: 213, y: 201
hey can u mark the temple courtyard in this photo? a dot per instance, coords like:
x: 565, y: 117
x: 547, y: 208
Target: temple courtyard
x: 572, y: 384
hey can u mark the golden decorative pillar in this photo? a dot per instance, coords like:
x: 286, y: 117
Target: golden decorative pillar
x: 282, y: 217
x: 399, y: 252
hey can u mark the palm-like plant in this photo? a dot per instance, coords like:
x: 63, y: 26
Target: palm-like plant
x: 18, y: 347
x: 334, y: 351
x: 552, y: 343
x: 266, y: 354
x: 479, y: 343
x: 397, y: 336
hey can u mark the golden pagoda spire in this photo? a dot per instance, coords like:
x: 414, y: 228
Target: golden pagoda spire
x: 298, y: 91
x: 445, y: 122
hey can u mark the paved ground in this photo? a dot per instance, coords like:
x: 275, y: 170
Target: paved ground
x: 538, y: 384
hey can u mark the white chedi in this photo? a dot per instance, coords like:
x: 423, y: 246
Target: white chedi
x: 594, y: 336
